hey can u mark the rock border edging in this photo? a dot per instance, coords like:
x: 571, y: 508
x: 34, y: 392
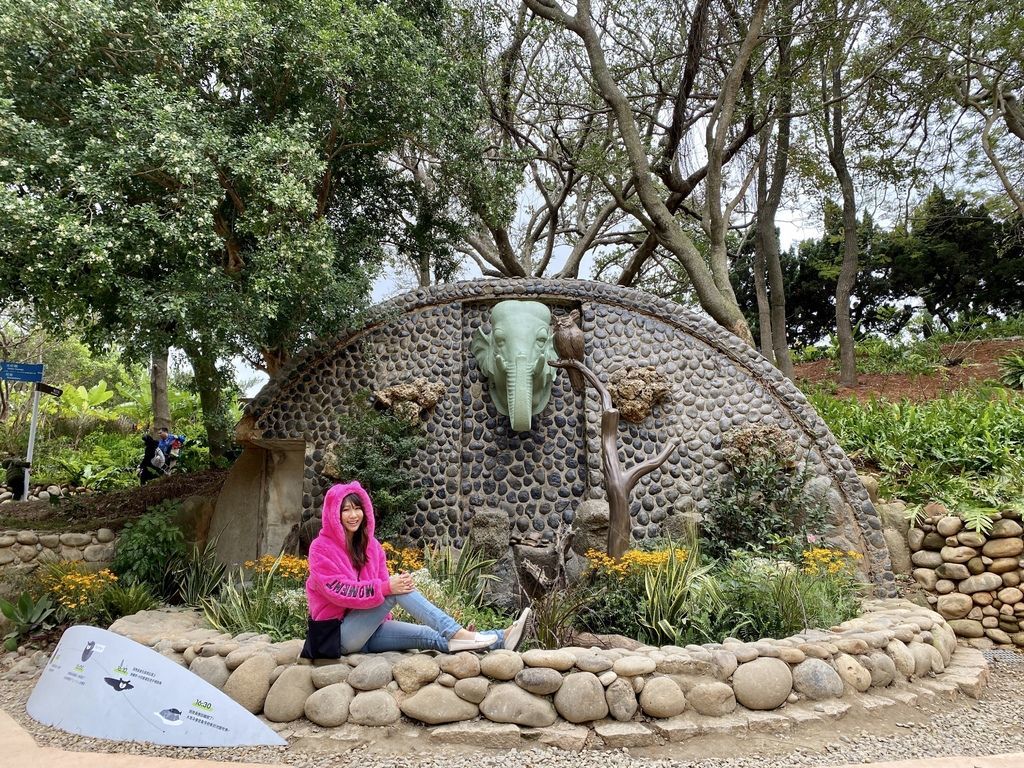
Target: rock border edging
x: 576, y: 697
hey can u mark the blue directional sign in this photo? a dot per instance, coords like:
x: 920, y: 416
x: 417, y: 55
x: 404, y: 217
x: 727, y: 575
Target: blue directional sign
x: 20, y: 371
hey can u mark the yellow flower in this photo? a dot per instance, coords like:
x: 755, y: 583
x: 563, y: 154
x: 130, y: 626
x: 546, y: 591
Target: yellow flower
x: 634, y: 560
x: 825, y: 560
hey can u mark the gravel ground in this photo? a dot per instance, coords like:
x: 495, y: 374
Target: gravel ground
x: 991, y: 725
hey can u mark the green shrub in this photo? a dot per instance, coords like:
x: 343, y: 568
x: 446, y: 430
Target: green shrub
x: 555, y: 616
x: 763, y: 502
x: 266, y: 603
x: 776, y: 598
x: 148, y: 547
x: 76, y: 590
x: 611, y: 604
x: 102, y: 461
x: 616, y: 589
x: 678, y: 598
x: 1011, y: 370
x: 374, y: 451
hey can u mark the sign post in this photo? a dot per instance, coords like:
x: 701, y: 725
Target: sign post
x: 31, y: 372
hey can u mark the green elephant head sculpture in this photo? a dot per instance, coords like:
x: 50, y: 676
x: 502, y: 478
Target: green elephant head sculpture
x: 514, y: 357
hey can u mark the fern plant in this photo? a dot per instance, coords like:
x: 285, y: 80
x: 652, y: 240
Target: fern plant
x: 978, y: 518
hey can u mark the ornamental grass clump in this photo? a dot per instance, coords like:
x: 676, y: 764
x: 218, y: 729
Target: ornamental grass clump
x: 766, y: 597
x: 268, y: 596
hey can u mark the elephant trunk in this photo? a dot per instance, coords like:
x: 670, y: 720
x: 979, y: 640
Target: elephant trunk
x: 520, y: 394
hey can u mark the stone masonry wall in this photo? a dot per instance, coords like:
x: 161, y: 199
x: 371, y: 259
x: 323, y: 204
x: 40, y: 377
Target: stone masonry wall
x: 582, y: 697
x: 24, y: 550
x: 539, y: 478
x: 973, y: 579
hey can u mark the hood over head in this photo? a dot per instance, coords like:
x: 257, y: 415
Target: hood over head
x: 331, y: 516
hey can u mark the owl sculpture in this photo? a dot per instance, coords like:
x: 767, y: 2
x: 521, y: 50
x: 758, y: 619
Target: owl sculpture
x: 568, y: 342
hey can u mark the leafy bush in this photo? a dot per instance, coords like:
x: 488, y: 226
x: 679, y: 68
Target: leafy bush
x: 615, y: 589
x: 679, y: 596
x: 269, y: 602
x: 555, y: 616
x: 676, y: 597
x: 375, y: 448
x: 102, y: 461
x: 1011, y: 370
x: 764, y: 501
x: 27, y: 616
x: 407, y: 559
x: 149, y: 546
x: 245, y: 607
x: 773, y: 598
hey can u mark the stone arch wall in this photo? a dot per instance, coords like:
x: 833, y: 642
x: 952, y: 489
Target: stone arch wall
x: 472, y: 459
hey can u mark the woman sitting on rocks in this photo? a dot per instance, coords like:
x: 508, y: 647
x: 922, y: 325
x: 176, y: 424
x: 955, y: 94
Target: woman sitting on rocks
x: 351, y: 593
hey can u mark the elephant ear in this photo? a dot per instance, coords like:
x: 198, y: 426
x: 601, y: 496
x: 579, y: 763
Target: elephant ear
x: 483, y: 351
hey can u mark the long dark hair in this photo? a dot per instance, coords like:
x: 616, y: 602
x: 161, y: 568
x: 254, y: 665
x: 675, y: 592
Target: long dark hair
x: 357, y: 549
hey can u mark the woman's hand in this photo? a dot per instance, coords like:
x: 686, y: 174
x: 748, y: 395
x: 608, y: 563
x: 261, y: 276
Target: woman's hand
x: 401, y: 584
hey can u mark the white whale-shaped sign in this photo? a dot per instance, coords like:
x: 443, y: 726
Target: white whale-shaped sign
x: 104, y: 685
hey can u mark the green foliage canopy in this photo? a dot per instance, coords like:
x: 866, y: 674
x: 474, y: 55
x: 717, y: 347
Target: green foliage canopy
x: 216, y: 176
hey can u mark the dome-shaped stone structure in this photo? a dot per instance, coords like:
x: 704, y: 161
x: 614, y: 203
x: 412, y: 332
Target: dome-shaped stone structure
x: 472, y: 459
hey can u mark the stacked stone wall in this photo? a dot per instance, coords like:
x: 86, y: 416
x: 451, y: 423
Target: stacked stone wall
x: 974, y: 580
x: 574, y: 697
x: 25, y: 550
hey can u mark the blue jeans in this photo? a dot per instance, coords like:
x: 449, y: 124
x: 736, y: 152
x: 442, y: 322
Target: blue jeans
x: 366, y: 630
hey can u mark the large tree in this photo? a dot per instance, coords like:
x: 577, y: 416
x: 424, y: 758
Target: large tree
x: 216, y: 177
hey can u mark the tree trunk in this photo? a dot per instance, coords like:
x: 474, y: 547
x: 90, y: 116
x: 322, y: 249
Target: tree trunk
x: 158, y: 389
x: 848, y: 269
x: 423, y: 271
x: 764, y: 312
x: 769, y: 196
x: 209, y: 383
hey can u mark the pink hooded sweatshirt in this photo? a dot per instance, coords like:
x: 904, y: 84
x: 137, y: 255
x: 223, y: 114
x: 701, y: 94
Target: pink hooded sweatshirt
x: 334, y: 586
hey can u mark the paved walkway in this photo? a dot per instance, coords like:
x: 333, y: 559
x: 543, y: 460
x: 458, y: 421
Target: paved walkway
x: 19, y: 749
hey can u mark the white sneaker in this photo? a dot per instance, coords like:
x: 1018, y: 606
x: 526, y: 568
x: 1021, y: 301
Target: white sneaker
x: 478, y: 642
x: 515, y: 633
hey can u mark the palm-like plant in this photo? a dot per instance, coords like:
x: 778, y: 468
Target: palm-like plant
x: 1011, y: 370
